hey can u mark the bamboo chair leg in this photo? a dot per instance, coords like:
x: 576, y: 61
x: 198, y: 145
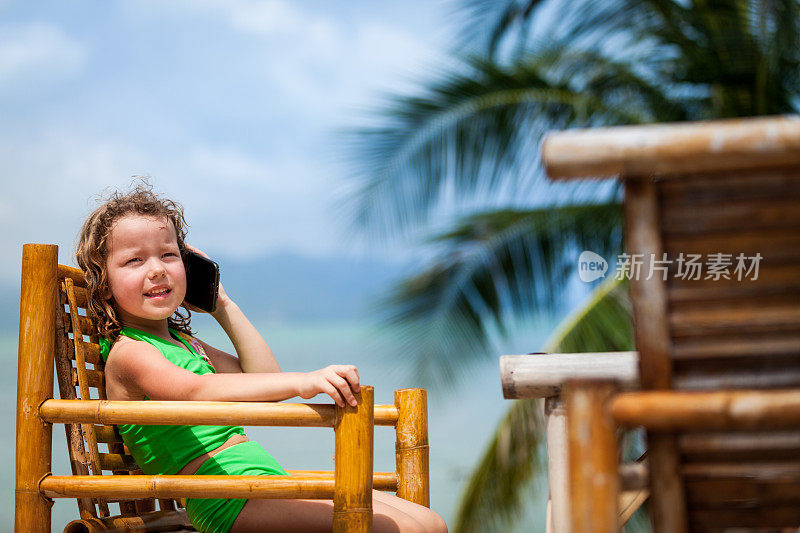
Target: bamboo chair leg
x: 593, y: 463
x: 352, y: 498
x: 412, y: 449
x: 37, y: 314
x: 558, y: 473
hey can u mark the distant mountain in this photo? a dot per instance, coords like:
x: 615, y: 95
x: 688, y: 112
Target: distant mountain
x: 283, y: 286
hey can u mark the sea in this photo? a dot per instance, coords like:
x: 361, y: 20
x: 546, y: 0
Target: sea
x: 462, y: 419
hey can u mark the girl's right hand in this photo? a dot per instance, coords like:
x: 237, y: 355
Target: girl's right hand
x: 334, y: 380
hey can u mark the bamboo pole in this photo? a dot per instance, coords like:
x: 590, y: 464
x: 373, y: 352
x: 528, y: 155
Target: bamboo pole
x: 354, y: 430
x: 386, y: 481
x: 557, y: 469
x: 741, y: 410
x: 174, y: 487
x: 412, y: 449
x: 187, y: 413
x: 542, y: 375
x: 38, y: 300
x: 594, y: 478
x: 153, y: 412
x: 669, y: 149
x: 643, y: 236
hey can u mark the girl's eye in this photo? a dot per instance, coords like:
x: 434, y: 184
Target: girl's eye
x: 131, y: 260
x: 170, y: 254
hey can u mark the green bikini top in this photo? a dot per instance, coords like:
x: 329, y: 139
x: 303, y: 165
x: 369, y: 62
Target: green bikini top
x: 167, y: 449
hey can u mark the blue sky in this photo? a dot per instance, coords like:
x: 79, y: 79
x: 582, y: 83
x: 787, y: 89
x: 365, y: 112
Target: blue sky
x: 231, y: 107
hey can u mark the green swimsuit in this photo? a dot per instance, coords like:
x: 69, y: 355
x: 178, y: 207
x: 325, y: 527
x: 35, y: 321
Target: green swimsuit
x: 167, y: 449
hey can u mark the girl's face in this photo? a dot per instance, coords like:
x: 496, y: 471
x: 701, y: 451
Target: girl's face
x: 145, y: 272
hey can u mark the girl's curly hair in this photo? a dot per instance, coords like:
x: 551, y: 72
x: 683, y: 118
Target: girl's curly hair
x: 92, y: 251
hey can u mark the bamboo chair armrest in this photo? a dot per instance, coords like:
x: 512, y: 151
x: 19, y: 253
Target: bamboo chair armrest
x: 175, y: 487
x: 544, y: 375
x: 300, y: 484
x: 191, y: 413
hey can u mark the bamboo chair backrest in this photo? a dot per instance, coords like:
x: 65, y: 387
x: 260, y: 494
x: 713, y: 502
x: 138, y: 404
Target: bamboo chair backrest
x: 93, y: 449
x: 724, y: 187
x: 735, y: 334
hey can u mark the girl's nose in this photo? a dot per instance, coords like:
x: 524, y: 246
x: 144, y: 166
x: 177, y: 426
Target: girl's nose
x: 157, y: 271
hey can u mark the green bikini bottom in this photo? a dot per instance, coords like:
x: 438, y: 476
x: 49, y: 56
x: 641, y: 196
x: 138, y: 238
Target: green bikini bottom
x: 244, y: 459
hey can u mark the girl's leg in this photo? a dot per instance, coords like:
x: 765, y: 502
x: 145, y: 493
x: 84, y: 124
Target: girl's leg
x: 292, y: 516
x: 430, y: 519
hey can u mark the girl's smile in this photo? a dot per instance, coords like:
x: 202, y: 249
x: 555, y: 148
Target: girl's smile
x: 146, y: 275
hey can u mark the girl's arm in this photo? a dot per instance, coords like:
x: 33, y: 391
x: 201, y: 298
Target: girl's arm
x: 136, y: 369
x: 254, y: 353
x: 255, y: 356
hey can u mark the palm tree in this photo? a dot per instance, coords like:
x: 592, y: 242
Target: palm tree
x: 463, y: 153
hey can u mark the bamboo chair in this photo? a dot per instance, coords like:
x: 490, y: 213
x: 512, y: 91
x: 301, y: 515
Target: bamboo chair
x: 719, y: 360
x: 55, y: 331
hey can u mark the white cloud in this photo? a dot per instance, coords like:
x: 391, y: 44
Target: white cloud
x: 257, y: 17
x: 38, y: 52
x: 320, y: 63
x: 237, y: 204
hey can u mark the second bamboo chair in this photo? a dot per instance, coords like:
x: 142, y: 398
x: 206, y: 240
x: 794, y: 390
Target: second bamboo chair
x: 55, y: 331
x: 719, y: 349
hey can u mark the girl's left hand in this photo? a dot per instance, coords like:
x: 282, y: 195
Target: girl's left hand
x: 222, y: 297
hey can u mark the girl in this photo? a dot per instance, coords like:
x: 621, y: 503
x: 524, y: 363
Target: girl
x: 130, y: 251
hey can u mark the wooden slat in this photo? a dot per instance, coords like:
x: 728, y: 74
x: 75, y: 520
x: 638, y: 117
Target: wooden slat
x: 772, y: 278
x: 106, y: 434
x: 777, y: 319
x: 740, y: 446
x: 739, y: 492
x: 75, y: 274
x: 757, y: 470
x: 731, y: 216
x: 776, y: 379
x: 82, y: 379
x: 81, y: 297
x: 87, y: 327
x: 117, y: 462
x: 91, y: 351
x: 75, y: 445
x: 787, y: 516
x: 715, y: 187
x: 727, y: 346
x: 94, y: 379
x: 757, y: 302
x: 779, y: 245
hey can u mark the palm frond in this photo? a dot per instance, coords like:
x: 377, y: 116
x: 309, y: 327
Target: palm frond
x: 469, y: 134
x: 494, y: 265
x: 488, y: 22
x: 602, y: 323
x: 494, y: 496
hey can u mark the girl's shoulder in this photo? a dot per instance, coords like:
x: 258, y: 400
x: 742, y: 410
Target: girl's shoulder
x: 123, y: 364
x: 125, y: 346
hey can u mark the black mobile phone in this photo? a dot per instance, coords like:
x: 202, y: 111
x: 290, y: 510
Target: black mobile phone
x: 202, y: 281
